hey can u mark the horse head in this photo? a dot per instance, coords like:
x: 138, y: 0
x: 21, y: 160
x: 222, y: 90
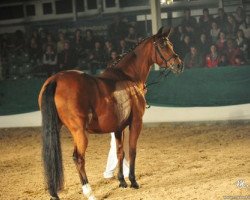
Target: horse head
x: 165, y: 55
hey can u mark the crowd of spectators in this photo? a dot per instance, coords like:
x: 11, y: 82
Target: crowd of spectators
x: 213, y: 41
x: 209, y: 42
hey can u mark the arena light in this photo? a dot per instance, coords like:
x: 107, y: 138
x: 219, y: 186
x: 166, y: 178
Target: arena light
x: 168, y: 2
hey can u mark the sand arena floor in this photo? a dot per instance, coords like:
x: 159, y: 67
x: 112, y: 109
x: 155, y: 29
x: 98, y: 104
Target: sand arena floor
x: 174, y: 162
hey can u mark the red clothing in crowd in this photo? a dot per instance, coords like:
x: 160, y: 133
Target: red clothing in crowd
x: 212, y: 61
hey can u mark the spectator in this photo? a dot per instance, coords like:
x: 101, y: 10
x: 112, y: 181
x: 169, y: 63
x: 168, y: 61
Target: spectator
x: 109, y: 47
x: 188, y: 19
x: 231, y: 26
x: 214, y: 32
x: 240, y: 16
x: 241, y: 42
x: 113, y: 58
x: 36, y: 36
x: 178, y: 38
x: 203, y: 45
x: 193, y: 59
x: 205, y: 22
x: 213, y: 58
x: 77, y: 44
x: 232, y: 52
x: 221, y: 20
x: 67, y: 58
x: 19, y: 42
x: 223, y: 60
x: 186, y: 44
x: 96, y: 58
x: 123, y: 48
x: 239, y: 60
x: 246, y: 28
x: 34, y: 50
x: 50, y: 60
x: 6, y: 46
x: 60, y: 42
x: 221, y: 42
x: 180, y: 34
x: 89, y: 40
x: 117, y: 30
x: 49, y: 41
x: 131, y: 38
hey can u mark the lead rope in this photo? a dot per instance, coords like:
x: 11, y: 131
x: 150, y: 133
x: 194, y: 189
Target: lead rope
x: 163, y: 74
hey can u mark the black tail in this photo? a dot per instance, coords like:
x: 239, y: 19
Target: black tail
x: 52, y: 154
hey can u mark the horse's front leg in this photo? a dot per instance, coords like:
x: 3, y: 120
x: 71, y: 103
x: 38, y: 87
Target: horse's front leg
x: 120, y: 156
x: 135, y: 129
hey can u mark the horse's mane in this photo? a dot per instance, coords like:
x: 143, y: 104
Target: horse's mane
x: 121, y: 56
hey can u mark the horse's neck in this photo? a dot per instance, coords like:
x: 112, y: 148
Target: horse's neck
x: 137, y: 64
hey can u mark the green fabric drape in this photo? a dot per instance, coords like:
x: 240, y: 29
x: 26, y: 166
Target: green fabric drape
x: 194, y: 87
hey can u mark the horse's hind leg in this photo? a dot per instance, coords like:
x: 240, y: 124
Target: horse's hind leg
x: 120, y: 157
x: 81, y: 142
x: 135, y: 129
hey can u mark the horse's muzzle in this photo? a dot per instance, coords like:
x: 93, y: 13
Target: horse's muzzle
x: 177, y: 68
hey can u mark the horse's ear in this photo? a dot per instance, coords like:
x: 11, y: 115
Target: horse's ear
x: 160, y: 31
x: 166, y: 31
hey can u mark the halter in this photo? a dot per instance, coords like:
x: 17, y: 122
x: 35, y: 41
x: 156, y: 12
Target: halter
x: 173, y: 55
x: 166, y: 72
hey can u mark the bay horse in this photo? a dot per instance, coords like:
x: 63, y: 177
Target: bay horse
x: 107, y: 103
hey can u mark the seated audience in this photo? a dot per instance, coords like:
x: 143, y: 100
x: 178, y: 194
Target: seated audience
x: 231, y: 26
x: 221, y: 42
x: 213, y: 58
x: 49, y: 41
x: 123, y: 48
x: 132, y: 37
x: 193, y: 59
x: 67, y: 58
x: 18, y: 42
x: 239, y: 60
x: 77, y: 44
x: 96, y: 58
x: 221, y: 20
x: 188, y: 19
x: 205, y: 22
x: 232, y: 52
x: 89, y: 40
x: 223, y: 60
x: 185, y: 46
x: 214, y: 32
x: 49, y: 60
x: 246, y: 28
x: 60, y: 42
x: 34, y: 50
x: 108, y: 48
x: 203, y: 45
x: 241, y: 42
x: 113, y: 58
x: 240, y: 16
x: 118, y: 29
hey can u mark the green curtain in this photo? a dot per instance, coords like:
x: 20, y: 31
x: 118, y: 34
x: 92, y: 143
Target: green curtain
x: 19, y: 96
x: 194, y: 87
x: 201, y: 87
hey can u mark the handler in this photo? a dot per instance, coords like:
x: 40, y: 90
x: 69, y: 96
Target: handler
x: 112, y: 160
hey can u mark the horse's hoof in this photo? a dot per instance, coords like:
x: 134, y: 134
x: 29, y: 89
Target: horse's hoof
x: 123, y: 184
x: 135, y: 185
